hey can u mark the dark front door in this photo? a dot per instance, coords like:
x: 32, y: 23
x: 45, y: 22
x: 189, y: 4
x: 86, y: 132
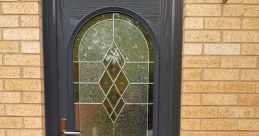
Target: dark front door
x: 112, y: 67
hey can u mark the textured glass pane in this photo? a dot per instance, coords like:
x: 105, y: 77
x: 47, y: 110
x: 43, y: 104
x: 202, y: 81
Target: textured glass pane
x: 130, y: 41
x: 132, y: 121
x: 90, y: 72
x: 94, y: 121
x: 137, y: 72
x: 136, y: 93
x: 113, y: 77
x: 96, y: 41
x: 90, y: 93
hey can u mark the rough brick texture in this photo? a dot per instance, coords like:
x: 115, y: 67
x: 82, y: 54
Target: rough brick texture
x: 220, y: 68
x: 21, y: 80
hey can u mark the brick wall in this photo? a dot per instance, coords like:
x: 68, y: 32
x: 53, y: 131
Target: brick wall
x: 220, y: 88
x: 21, y: 91
x: 220, y: 91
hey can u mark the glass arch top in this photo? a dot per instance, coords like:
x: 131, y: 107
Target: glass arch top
x: 113, y: 67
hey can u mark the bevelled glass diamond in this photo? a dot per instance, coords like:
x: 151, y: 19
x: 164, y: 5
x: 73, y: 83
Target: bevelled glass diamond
x: 113, y: 69
x: 105, y: 82
x: 121, y: 82
x: 119, y: 106
x: 107, y: 106
x: 113, y: 116
x: 113, y: 96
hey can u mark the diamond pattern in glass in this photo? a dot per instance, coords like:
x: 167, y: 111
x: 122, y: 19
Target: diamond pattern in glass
x: 114, y: 69
x: 105, y: 82
x: 114, y: 96
x: 121, y: 82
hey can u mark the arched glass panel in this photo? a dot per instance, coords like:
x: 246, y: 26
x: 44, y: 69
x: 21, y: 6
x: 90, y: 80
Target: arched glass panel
x: 113, y: 67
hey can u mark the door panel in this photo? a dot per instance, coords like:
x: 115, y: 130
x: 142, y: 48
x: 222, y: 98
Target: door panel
x: 63, y: 20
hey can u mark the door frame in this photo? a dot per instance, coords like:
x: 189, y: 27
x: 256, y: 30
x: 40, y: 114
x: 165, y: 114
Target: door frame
x: 170, y: 40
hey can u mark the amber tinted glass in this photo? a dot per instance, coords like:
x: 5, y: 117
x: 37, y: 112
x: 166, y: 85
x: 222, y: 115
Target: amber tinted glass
x: 113, y: 60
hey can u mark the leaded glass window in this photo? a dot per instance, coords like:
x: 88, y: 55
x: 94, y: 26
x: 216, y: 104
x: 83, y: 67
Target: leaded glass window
x: 113, y: 67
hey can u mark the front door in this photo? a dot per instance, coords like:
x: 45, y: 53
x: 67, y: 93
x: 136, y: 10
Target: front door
x: 113, y: 68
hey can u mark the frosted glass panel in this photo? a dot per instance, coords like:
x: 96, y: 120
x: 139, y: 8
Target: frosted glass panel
x: 113, y: 71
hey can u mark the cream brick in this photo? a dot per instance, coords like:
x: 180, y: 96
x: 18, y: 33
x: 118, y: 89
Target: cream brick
x: 192, y: 49
x: 24, y: 110
x: 222, y: 23
x: 21, y: 34
x: 219, y: 99
x: 20, y: 8
x: 257, y: 112
x: 193, y: 23
x: 228, y: 133
x: 32, y: 97
x: 202, y: 10
x: 202, y: 36
x: 250, y: 74
x: 246, y: 112
x: 9, y: 21
x: 257, y: 87
x: 222, y: 49
x: 221, y: 74
x: 10, y: 122
x: 238, y: 62
x: 10, y: 97
x: 248, y: 124
x: 251, y: 23
x: 241, y: 36
x: 198, y: 112
x: 2, y: 132
x: 1, y: 85
x: 191, y: 99
x: 190, y: 124
x: 30, y: 21
x: 24, y: 132
x: 228, y: 112
x: 218, y: 124
x: 2, y: 111
x: 251, y: 1
x: 30, y: 60
x: 241, y: 10
x: 9, y: 72
x: 1, y: 59
x: 237, y: 87
x: 200, y: 61
x: 32, y: 72
x: 250, y: 49
x: 8, y: 47
x: 33, y: 122
x: 25, y: 85
x: 192, y: 74
x: 198, y: 133
x: 30, y: 47
x: 249, y: 99
x: 245, y: 133
x: 200, y: 87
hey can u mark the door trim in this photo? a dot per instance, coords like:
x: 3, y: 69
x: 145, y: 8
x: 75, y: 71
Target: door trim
x: 170, y: 39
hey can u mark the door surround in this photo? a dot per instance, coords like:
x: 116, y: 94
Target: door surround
x: 170, y: 39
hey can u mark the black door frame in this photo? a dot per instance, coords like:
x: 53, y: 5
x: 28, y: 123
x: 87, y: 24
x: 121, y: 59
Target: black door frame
x: 170, y: 41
